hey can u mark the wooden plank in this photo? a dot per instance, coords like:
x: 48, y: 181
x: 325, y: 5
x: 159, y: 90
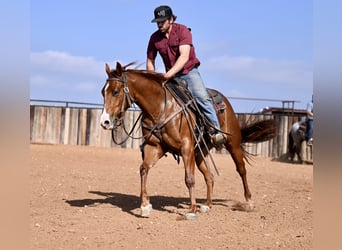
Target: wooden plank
x: 80, y: 126
x: 73, y: 126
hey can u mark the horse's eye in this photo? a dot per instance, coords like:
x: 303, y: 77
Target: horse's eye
x: 116, y: 92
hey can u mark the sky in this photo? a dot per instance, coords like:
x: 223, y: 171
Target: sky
x: 248, y: 49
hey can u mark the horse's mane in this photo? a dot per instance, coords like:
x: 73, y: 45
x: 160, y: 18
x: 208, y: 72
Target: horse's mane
x: 156, y: 76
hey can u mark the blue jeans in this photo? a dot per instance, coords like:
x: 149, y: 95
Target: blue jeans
x: 309, y: 129
x: 199, y: 92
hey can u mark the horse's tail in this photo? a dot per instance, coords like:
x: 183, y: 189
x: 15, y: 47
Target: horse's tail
x: 259, y: 131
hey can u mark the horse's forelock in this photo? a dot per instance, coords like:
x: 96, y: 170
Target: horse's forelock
x: 113, y: 73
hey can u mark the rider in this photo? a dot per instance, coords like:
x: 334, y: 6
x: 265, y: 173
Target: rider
x: 309, y: 122
x: 174, y: 43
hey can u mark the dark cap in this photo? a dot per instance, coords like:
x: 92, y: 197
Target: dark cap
x: 162, y: 13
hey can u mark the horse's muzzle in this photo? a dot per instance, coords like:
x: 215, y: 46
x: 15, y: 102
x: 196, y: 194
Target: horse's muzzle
x: 108, y: 122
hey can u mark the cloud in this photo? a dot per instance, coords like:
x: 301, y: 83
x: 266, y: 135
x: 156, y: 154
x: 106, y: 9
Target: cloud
x: 258, y: 70
x: 64, y: 63
x: 39, y: 80
x: 86, y: 86
x: 59, y: 75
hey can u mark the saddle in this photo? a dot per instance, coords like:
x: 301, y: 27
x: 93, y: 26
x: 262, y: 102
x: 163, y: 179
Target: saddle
x: 218, y: 100
x: 302, y: 126
x: 179, y: 88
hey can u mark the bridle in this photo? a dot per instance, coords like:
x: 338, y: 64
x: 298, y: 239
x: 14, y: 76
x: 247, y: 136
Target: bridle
x: 120, y: 121
x: 127, y: 96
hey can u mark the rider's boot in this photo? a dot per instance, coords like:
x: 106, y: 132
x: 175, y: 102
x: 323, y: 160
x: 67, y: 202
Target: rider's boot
x: 218, y: 139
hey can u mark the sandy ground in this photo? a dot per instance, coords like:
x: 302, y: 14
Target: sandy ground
x: 88, y: 198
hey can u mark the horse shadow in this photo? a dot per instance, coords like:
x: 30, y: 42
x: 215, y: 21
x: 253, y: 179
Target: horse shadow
x: 285, y: 158
x: 129, y: 203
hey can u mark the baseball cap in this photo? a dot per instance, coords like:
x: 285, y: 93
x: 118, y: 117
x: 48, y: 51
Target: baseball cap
x: 162, y: 13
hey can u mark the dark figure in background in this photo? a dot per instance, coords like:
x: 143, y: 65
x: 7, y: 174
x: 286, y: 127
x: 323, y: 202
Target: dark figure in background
x: 296, y: 137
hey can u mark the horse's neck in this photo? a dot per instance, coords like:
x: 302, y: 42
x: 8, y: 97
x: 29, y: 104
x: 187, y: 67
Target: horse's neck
x: 150, y: 97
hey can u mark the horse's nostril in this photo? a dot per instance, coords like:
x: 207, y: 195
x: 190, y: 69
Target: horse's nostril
x: 106, y: 122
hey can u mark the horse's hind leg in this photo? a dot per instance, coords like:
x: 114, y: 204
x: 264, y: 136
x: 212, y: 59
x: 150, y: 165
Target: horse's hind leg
x: 237, y: 155
x: 291, y: 147
x: 299, y: 152
x: 292, y: 153
x: 151, y: 156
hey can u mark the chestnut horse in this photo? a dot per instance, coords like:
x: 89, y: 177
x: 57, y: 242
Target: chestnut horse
x: 167, y: 128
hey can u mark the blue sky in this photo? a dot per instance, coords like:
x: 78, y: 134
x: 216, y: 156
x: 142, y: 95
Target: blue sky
x: 248, y: 49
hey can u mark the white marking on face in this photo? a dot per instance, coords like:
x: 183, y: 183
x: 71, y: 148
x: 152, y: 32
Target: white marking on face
x: 105, y: 89
x: 105, y: 117
x: 105, y: 121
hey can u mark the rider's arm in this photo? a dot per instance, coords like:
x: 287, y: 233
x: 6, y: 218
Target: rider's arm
x: 150, y: 65
x: 184, y: 51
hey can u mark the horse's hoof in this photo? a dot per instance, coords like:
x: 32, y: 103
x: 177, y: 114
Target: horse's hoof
x: 249, y: 207
x: 244, y: 206
x: 146, y: 210
x: 204, y: 208
x: 190, y: 216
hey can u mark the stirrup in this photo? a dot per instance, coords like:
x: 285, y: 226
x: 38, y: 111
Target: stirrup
x: 218, y: 140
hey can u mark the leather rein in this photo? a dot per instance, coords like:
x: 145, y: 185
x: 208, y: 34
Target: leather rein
x: 130, y: 100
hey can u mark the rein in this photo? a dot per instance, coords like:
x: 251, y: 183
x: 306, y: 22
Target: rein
x: 128, y: 98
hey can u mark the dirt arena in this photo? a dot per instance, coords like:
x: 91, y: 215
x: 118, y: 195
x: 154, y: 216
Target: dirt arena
x: 88, y: 198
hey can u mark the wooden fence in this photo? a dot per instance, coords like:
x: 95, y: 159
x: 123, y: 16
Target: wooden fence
x: 81, y: 126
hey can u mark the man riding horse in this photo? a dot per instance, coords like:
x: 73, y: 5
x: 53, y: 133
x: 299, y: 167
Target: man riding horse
x: 173, y: 41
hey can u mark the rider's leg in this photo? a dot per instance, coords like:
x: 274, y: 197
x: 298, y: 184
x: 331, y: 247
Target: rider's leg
x: 309, y: 130
x: 199, y: 92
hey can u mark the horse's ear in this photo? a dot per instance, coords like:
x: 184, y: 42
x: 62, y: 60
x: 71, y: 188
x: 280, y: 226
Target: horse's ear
x: 107, y: 69
x: 118, y: 69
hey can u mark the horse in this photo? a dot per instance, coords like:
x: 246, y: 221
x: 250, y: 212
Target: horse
x: 295, y: 139
x: 167, y: 128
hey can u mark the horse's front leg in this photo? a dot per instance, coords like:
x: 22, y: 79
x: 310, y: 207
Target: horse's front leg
x: 145, y: 206
x: 299, y: 150
x: 151, y: 155
x: 189, y: 165
x: 209, y: 180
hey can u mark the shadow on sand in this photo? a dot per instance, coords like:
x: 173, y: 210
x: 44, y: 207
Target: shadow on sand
x: 285, y: 158
x: 129, y: 203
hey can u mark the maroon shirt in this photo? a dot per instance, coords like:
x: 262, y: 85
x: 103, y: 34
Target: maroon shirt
x: 169, y: 48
